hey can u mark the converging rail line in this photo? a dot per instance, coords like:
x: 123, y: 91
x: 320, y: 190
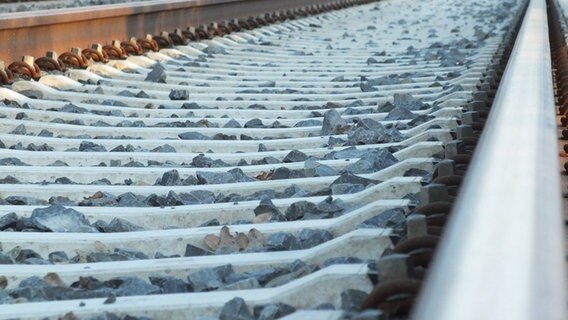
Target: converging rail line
x: 262, y: 159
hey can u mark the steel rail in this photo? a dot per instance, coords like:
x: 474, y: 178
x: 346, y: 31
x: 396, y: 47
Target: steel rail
x: 502, y: 254
x: 35, y: 32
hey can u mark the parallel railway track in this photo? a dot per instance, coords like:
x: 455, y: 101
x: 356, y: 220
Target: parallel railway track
x: 304, y: 161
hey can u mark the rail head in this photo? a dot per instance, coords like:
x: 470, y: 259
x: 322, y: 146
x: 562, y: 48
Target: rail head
x: 502, y: 254
x: 34, y: 33
x: 14, y: 20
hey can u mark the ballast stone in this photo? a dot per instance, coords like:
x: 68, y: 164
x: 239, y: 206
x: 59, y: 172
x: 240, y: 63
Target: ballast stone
x: 273, y: 311
x: 8, y: 220
x: 392, y: 218
x: 235, y: 309
x: 232, y: 176
x: 57, y: 218
x: 205, y: 280
x: 407, y: 101
x: 282, y: 241
x: 295, y: 156
x: 193, y: 136
x: 158, y: 74
x: 399, y: 113
x: 87, y: 146
x: 371, y: 161
x: 121, y: 225
x: 312, y: 237
x: 368, y: 131
x: 179, y: 94
x: 332, y: 123
x: 312, y: 168
x: 132, y: 286
x: 170, y: 178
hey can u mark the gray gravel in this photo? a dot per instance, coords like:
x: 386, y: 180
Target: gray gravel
x: 57, y: 218
x: 359, y: 105
x: 51, y: 287
x: 371, y: 161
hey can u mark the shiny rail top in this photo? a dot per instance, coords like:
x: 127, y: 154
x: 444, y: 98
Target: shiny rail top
x: 501, y: 257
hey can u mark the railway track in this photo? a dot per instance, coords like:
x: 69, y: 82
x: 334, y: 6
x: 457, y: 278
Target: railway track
x: 303, y: 163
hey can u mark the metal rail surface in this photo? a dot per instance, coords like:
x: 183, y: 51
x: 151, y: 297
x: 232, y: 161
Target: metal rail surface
x: 502, y: 254
x: 269, y: 159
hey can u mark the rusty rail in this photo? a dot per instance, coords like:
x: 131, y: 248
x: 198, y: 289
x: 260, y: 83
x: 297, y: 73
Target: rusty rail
x: 35, y: 33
